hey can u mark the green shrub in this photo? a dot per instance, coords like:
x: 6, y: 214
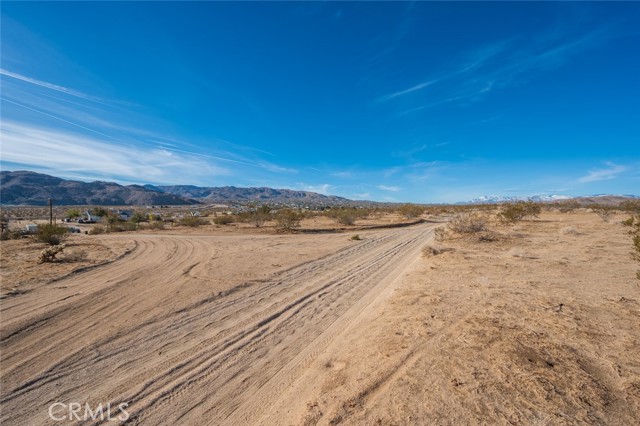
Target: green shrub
x: 155, y: 225
x: 355, y: 237
x: 288, y: 219
x: 51, y: 234
x: 223, y: 220
x: 73, y: 214
x: 122, y: 226
x: 139, y: 217
x: 192, y: 221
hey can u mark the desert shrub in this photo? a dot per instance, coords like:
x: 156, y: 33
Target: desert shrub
x: 355, y: 237
x: 439, y: 234
x: 260, y: 216
x: 468, y: 223
x: 518, y: 211
x: 73, y: 214
x: 49, y: 254
x: 223, y: 220
x: 631, y: 206
x: 192, y: 221
x: 288, y: 219
x: 100, y: 211
x: 346, y: 217
x: 568, y: 206
x: 51, y: 234
x: 77, y: 255
x: 122, y: 226
x: 96, y: 230
x: 410, y: 211
x: 605, y: 213
x: 155, y: 225
x: 138, y: 217
x: 11, y: 235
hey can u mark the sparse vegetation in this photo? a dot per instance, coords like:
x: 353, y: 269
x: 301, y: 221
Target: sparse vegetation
x: 51, y: 234
x: 288, y: 220
x: 468, y: 223
x: 222, y: 220
x: 139, y: 217
x: 73, y: 214
x: 355, y: 237
x: 193, y: 221
x: 118, y: 226
x: 78, y: 255
x: 260, y: 216
x: 518, y: 211
x: 49, y: 254
x: 604, y: 212
x: 410, y: 211
x: 634, y: 223
x: 97, y: 230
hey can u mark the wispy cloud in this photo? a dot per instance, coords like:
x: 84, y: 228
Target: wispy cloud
x: 610, y: 172
x: 389, y: 188
x: 411, y: 89
x: 48, y: 85
x: 76, y: 155
x: 324, y: 188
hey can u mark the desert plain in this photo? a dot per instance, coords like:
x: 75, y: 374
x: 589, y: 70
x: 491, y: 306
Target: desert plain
x: 536, y: 322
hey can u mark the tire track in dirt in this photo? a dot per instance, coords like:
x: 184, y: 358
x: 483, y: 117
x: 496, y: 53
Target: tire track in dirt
x: 221, y: 358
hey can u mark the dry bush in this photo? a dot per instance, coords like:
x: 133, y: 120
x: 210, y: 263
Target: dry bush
x: 439, y: 234
x: 605, y: 213
x: 288, y: 220
x: 355, y: 237
x: 569, y: 230
x: 155, y: 225
x: 11, y: 235
x: 51, y: 234
x: 49, y: 254
x: 97, y: 230
x: 468, y: 223
x: 518, y: 211
x: 121, y: 226
x: 634, y: 223
x: 410, y: 211
x: 430, y: 250
x: 219, y: 220
x: 193, y: 221
x: 77, y: 255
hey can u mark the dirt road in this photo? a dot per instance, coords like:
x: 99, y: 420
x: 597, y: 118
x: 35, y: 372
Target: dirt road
x: 161, y: 332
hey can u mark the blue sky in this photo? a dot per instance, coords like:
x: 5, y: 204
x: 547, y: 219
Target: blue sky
x: 404, y: 101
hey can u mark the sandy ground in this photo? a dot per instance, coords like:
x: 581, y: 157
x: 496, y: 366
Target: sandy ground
x: 538, y: 326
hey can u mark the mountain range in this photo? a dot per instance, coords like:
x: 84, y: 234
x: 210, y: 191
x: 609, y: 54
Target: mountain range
x: 31, y: 188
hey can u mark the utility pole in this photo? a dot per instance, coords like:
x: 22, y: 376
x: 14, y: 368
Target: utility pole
x: 50, y: 211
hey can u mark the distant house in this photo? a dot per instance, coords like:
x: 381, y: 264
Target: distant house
x: 124, y: 214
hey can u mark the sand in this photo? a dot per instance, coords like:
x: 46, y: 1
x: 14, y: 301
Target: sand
x: 537, y: 326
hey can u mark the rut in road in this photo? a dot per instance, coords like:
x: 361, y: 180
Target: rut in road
x: 219, y: 360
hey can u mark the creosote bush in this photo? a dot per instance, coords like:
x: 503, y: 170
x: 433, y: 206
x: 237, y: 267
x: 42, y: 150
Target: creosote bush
x: 410, y: 211
x: 193, y: 221
x: 519, y: 211
x: 222, y: 220
x: 288, y: 220
x: 355, y: 237
x: 605, y: 213
x: 468, y: 223
x: 51, y: 234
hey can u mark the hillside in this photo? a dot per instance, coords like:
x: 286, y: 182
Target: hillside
x: 30, y: 188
